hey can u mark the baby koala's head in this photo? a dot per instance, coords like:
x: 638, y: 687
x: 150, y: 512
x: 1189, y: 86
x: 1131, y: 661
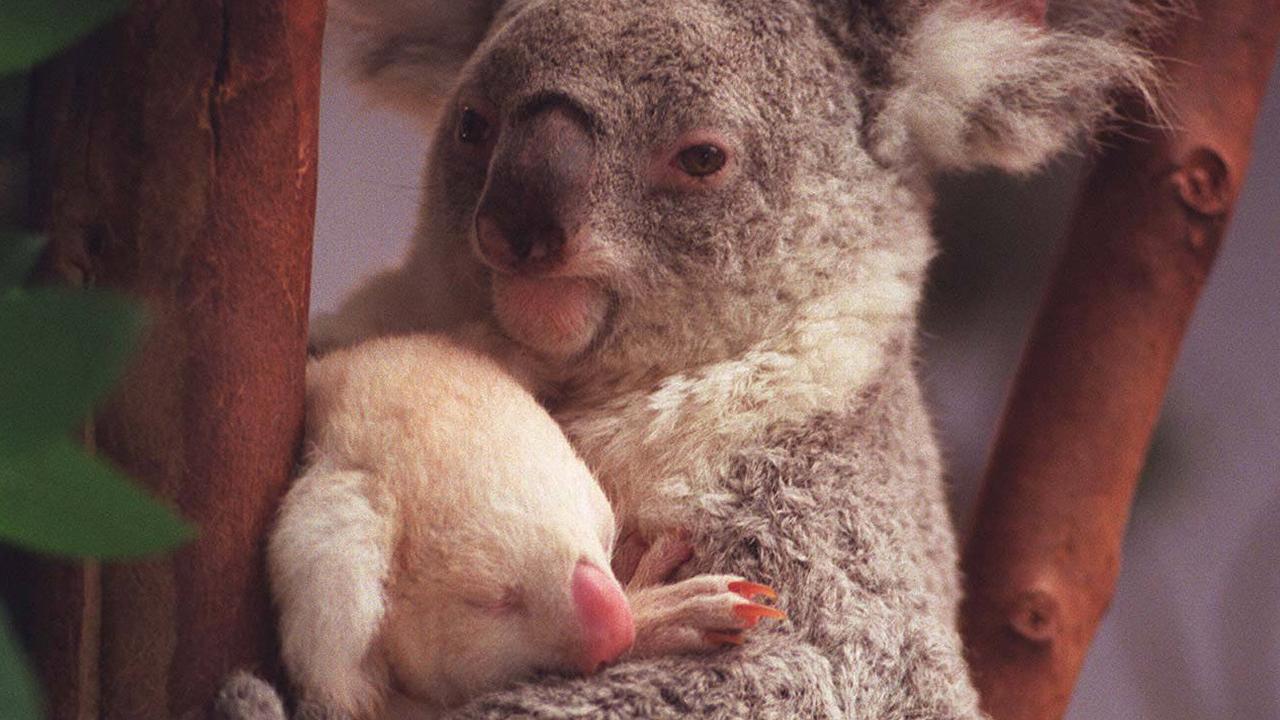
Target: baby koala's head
x: 517, y: 580
x: 498, y: 537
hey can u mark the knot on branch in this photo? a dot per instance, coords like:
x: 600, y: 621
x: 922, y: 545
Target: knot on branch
x: 1035, y: 616
x: 1204, y: 183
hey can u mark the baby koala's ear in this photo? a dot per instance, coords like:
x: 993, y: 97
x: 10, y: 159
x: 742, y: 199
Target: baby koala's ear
x: 1007, y: 83
x: 408, y: 53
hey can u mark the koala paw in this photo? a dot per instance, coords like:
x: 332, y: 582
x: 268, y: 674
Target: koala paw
x: 698, y: 614
x: 245, y: 696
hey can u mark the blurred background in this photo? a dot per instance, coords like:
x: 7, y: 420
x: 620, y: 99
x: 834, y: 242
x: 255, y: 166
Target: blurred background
x: 1194, y: 630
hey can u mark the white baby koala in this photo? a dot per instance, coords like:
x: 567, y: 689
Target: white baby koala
x: 444, y: 539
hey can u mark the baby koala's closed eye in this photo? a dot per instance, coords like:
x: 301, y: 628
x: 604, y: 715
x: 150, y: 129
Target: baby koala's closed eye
x: 445, y: 539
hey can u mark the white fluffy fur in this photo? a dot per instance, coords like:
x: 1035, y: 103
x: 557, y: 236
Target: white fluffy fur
x: 660, y: 446
x: 962, y: 57
x: 434, y: 479
x: 656, y: 447
x: 436, y: 483
x: 329, y: 557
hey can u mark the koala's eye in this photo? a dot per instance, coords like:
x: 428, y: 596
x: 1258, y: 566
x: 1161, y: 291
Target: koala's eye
x: 473, y: 128
x: 701, y: 160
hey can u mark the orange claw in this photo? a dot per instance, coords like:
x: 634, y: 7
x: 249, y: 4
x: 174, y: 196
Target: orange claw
x: 723, y: 638
x: 751, y: 613
x: 750, y: 590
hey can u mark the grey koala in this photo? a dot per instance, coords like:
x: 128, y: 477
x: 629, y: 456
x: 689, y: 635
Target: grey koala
x: 708, y: 221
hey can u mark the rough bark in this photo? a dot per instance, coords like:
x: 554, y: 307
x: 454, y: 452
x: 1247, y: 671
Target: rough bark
x: 1044, y: 553
x: 174, y: 159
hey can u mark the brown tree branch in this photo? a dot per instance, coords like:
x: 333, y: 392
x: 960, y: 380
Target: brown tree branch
x: 1044, y: 553
x: 175, y: 160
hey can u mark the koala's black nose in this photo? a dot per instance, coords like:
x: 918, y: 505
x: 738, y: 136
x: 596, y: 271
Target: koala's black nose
x: 534, y: 204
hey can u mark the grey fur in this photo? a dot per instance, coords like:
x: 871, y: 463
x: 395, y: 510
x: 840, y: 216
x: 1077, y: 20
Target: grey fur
x: 768, y: 325
x: 245, y: 696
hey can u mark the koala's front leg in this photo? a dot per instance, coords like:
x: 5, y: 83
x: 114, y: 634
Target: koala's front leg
x: 698, y: 614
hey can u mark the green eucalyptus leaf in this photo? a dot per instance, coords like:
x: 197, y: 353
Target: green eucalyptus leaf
x: 19, y: 252
x: 19, y: 694
x: 57, y: 499
x: 33, y: 30
x: 60, y: 351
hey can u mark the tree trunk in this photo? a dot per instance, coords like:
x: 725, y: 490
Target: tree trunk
x: 1044, y: 553
x: 174, y: 159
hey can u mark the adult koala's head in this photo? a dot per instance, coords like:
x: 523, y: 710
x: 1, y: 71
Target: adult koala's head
x: 654, y: 183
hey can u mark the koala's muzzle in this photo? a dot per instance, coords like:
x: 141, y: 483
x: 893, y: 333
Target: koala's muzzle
x: 534, y: 204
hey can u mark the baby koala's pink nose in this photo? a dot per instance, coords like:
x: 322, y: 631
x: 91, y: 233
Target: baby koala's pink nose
x: 605, y: 615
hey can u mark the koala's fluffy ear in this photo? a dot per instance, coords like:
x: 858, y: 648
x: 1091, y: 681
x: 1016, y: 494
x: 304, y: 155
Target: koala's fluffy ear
x: 409, y: 52
x: 1001, y: 83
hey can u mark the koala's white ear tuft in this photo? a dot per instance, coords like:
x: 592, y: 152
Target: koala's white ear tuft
x: 408, y: 53
x: 991, y: 84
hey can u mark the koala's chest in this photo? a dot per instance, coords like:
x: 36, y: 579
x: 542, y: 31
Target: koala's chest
x: 653, y: 478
